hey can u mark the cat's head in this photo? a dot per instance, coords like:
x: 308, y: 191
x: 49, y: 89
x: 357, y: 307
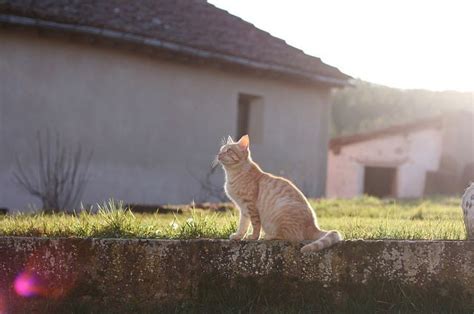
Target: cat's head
x: 234, y: 153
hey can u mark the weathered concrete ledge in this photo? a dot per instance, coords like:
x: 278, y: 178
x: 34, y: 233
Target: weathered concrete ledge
x: 150, y: 274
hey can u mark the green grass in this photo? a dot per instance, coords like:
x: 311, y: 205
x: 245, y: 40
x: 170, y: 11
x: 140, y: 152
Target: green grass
x: 361, y: 218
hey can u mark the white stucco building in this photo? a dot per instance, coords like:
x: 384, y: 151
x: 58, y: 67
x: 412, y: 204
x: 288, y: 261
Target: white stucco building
x: 432, y: 156
x: 151, y: 87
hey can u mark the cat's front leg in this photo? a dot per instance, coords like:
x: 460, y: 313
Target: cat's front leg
x: 244, y: 224
x: 256, y: 224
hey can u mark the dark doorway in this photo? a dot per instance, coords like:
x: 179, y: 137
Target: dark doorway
x: 380, y: 181
x: 243, y: 115
x: 250, y: 117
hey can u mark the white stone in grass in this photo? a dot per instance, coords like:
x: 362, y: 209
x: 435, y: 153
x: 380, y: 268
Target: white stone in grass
x: 468, y: 211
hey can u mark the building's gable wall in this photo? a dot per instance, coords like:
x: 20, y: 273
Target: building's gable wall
x: 413, y: 154
x: 151, y: 124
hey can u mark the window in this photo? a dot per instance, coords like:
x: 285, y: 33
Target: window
x: 250, y: 117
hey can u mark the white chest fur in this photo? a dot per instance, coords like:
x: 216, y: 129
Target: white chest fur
x: 234, y: 198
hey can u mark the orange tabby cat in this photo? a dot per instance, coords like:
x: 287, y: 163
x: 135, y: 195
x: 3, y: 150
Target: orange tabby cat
x: 268, y: 202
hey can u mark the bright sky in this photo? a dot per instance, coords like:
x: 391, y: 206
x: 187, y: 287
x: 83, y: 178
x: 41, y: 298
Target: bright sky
x: 399, y: 43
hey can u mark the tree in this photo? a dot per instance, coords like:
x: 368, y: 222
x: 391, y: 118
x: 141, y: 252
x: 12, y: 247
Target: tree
x: 365, y: 106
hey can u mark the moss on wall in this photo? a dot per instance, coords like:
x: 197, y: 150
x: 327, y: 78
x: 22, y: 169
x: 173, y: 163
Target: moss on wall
x: 131, y: 275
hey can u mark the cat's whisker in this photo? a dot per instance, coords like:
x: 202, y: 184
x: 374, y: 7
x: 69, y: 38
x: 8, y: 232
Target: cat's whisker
x: 223, y: 140
x: 214, y: 163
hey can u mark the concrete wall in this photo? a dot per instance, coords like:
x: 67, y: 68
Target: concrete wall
x: 150, y: 123
x: 413, y: 155
x: 114, y: 275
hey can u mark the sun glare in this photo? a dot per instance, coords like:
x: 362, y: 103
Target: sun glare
x: 404, y: 44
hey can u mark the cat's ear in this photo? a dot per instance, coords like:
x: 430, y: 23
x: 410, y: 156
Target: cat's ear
x: 229, y: 140
x: 244, y: 142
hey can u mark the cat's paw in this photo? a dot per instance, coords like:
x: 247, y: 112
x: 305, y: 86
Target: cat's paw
x: 235, y: 236
x: 253, y: 237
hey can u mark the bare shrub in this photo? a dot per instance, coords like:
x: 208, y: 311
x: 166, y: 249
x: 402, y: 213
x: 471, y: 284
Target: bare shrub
x: 209, y: 189
x: 59, y: 177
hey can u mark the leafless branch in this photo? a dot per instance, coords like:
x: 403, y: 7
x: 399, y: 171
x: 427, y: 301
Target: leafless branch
x: 61, y: 174
x: 210, y: 190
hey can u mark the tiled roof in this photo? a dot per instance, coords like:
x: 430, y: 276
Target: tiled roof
x: 435, y: 122
x: 193, y: 24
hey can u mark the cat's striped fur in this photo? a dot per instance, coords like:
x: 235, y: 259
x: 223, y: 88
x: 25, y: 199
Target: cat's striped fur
x: 268, y: 202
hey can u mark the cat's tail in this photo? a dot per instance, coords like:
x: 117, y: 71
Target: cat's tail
x: 329, y: 238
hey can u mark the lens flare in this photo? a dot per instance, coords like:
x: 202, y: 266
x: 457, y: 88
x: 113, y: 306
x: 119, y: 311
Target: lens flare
x: 47, y: 273
x: 27, y: 285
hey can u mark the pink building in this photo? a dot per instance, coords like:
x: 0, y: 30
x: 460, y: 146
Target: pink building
x: 431, y: 156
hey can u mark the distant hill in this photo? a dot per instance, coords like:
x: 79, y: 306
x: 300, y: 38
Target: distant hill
x: 367, y: 106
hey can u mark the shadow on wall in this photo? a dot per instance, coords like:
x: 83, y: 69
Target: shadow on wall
x: 59, y: 174
x: 447, y: 182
